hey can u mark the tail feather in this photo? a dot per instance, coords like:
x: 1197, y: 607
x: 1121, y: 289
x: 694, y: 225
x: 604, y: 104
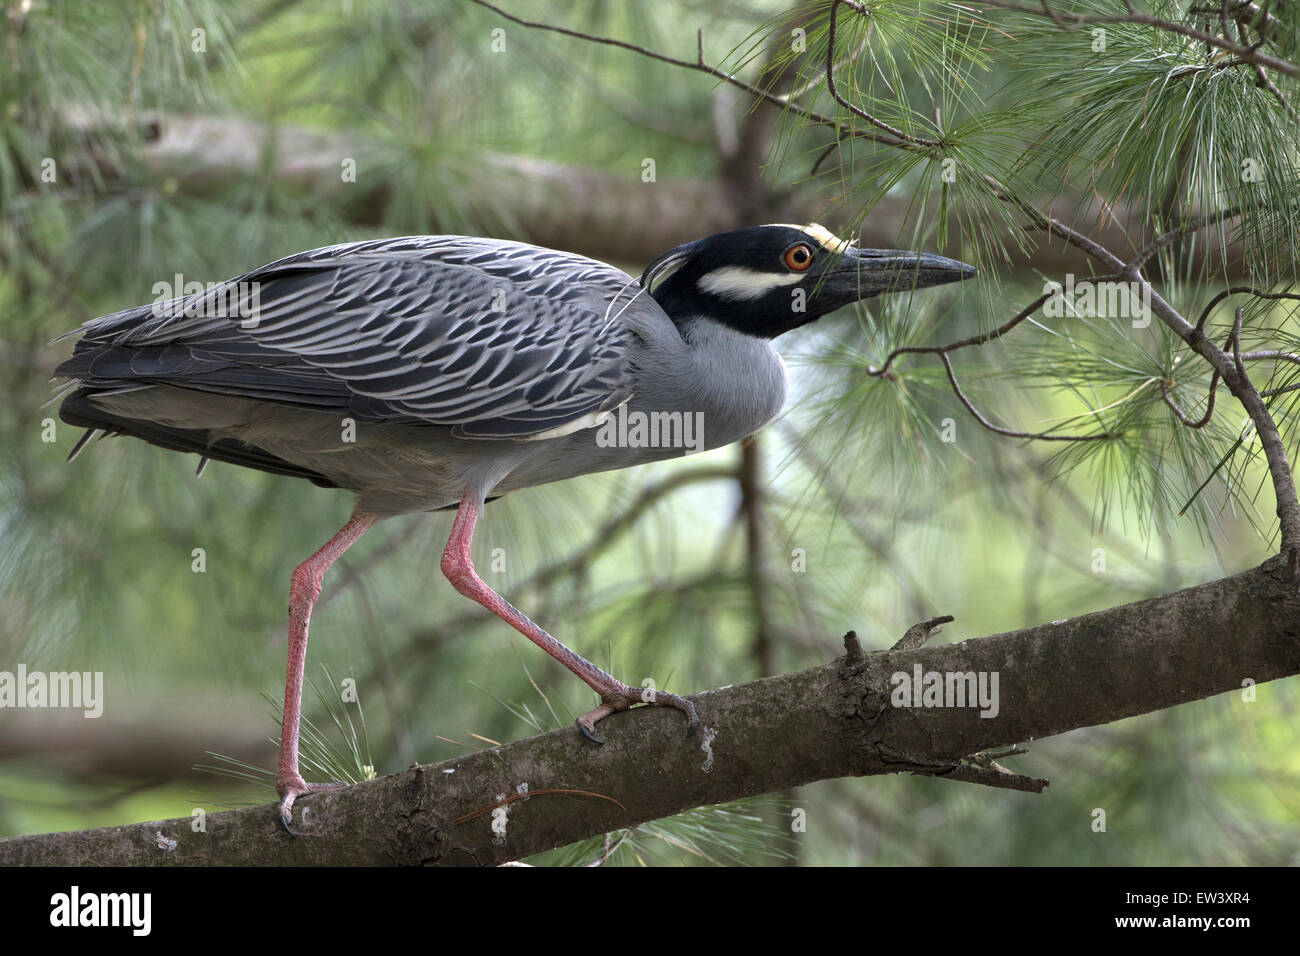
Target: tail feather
x: 80, y: 410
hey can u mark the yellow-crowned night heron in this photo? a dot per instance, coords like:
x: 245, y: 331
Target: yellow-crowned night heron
x: 442, y: 371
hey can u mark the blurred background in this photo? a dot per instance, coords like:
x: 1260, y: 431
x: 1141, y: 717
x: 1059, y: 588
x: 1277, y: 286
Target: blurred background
x: 145, y: 139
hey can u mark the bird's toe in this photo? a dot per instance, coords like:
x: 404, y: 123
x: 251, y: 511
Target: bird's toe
x: 589, y: 733
x: 290, y: 789
x: 623, y: 697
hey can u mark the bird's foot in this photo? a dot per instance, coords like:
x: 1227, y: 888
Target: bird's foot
x: 621, y: 697
x: 290, y: 788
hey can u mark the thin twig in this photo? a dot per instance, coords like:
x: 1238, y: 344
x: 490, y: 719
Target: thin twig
x: 1277, y: 355
x: 534, y: 793
x: 813, y: 81
x: 1049, y: 224
x: 1209, y: 403
x: 1236, y: 345
x: 1010, y: 433
x: 1173, y: 235
x: 1073, y: 21
x: 1232, y: 370
x: 820, y: 119
x: 1284, y: 484
x: 857, y: 110
x: 994, y: 775
x: 1240, y: 290
x: 980, y: 339
x: 1262, y: 79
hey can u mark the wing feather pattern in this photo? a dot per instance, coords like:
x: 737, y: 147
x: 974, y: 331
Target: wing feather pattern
x: 493, y: 339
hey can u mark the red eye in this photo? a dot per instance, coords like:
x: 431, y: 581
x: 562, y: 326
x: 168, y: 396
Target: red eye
x: 798, y: 257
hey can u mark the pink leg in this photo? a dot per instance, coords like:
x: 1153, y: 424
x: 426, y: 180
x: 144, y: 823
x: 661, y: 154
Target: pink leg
x: 304, y: 588
x: 614, y: 694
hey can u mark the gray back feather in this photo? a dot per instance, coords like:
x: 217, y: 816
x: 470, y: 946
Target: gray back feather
x: 494, y: 339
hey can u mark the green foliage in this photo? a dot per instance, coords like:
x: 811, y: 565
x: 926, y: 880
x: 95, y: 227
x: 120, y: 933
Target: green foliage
x: 732, y: 834
x: 342, y: 755
x: 895, y: 521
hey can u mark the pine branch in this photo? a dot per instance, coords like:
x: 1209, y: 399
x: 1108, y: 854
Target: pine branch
x: 1247, y: 53
x: 1233, y: 373
x: 830, y: 721
x: 901, y: 138
x: 699, y: 65
x: 1009, y: 432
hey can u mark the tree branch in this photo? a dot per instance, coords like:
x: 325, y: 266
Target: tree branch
x: 1232, y: 372
x: 1180, y: 414
x: 1249, y: 53
x: 594, y: 212
x: 902, y: 137
x: 700, y: 66
x: 1173, y: 235
x: 831, y: 721
x: 1239, y: 290
x: 1288, y: 505
x: 1010, y: 432
x: 980, y: 339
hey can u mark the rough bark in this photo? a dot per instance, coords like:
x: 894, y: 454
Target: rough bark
x: 836, y: 720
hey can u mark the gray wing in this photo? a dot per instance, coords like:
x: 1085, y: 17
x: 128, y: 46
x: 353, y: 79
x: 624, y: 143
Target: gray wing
x: 493, y: 339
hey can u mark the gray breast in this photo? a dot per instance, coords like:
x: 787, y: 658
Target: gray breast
x: 712, y: 387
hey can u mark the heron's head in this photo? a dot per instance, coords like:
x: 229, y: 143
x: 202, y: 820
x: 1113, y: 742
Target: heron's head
x: 767, y: 280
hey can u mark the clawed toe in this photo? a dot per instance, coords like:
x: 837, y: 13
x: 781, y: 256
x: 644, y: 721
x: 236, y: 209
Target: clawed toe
x: 292, y: 788
x: 624, y: 697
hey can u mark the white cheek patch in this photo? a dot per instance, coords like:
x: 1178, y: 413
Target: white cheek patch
x: 740, y: 284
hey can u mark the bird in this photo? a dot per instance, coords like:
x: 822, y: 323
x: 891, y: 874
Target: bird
x: 430, y: 373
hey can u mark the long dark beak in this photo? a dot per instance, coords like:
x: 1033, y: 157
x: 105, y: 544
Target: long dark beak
x: 861, y: 273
